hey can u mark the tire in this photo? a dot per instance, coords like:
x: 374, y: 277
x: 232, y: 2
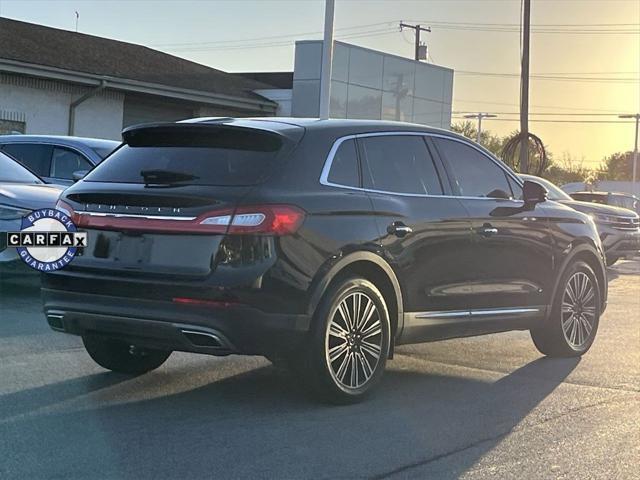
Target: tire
x: 121, y: 357
x: 611, y: 260
x: 340, y: 362
x: 575, y: 315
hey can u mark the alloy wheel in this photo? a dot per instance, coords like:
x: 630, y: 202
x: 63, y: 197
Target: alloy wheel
x: 578, y: 310
x: 353, y: 341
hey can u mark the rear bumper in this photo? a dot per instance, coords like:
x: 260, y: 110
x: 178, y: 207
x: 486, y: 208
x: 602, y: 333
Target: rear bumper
x: 165, y: 325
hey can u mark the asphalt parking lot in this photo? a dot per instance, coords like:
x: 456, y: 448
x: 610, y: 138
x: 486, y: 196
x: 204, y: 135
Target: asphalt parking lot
x: 485, y: 407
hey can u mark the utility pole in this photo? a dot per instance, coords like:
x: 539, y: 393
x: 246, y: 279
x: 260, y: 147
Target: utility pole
x: 635, y: 149
x: 77, y: 19
x: 479, y: 116
x: 417, y: 29
x: 327, y: 60
x: 524, y: 89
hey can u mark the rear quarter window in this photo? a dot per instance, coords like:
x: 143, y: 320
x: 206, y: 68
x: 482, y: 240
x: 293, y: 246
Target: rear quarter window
x: 344, y: 167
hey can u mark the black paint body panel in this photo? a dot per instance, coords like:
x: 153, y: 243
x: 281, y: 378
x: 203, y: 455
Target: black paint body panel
x: 267, y: 287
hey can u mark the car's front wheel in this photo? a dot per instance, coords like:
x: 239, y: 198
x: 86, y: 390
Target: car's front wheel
x: 350, y: 342
x: 121, y: 357
x: 571, y: 328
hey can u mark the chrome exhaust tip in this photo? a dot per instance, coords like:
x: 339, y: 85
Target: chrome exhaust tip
x: 56, y: 321
x: 204, y: 339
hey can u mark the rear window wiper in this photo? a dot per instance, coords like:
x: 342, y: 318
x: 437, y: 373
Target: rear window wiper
x: 165, y: 177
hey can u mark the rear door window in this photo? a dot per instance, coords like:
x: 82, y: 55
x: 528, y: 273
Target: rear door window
x: 64, y: 162
x: 399, y: 164
x: 344, y: 167
x: 37, y: 157
x: 196, y: 156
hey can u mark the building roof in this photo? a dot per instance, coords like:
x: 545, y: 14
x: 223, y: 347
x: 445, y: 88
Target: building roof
x: 78, y: 52
x: 283, y: 80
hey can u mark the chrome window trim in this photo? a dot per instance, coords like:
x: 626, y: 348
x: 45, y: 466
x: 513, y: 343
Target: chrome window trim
x: 443, y: 314
x: 132, y: 215
x: 504, y: 311
x: 324, y: 175
x: 477, y: 312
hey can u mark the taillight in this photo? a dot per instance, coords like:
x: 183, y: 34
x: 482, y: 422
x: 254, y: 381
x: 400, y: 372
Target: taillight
x: 258, y: 219
x: 67, y: 209
x: 261, y: 219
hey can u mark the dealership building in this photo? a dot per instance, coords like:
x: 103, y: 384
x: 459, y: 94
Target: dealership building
x: 58, y: 82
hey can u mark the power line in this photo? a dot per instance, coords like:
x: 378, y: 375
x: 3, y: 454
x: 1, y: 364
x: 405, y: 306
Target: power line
x: 284, y: 43
x: 627, y: 31
x: 272, y: 37
x: 435, y: 22
x: 577, y: 29
x: 587, y: 73
x: 555, y: 28
x: 515, y: 120
x: 563, y: 114
x: 551, y: 77
x: 487, y: 102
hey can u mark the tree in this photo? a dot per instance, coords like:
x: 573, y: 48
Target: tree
x: 491, y: 142
x: 567, y: 170
x: 618, y: 166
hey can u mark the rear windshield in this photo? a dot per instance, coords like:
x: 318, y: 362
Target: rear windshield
x: 194, y: 156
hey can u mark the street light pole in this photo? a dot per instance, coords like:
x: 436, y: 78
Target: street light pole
x: 635, y: 148
x: 480, y: 116
x: 327, y: 60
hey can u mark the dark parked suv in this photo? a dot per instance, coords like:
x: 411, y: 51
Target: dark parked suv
x: 320, y: 244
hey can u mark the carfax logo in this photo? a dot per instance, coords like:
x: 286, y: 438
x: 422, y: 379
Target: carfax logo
x: 48, y: 240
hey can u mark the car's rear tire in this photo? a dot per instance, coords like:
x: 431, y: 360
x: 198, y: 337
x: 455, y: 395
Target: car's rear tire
x: 349, y: 344
x: 122, y: 357
x: 573, y: 323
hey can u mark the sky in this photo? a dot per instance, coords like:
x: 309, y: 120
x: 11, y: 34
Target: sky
x: 585, y: 54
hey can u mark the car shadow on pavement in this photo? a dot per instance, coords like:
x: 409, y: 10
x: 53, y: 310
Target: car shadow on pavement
x: 33, y: 399
x: 260, y: 424
x: 483, y: 417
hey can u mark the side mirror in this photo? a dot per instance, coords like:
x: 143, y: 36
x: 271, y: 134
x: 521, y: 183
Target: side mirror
x: 79, y: 174
x: 533, y: 193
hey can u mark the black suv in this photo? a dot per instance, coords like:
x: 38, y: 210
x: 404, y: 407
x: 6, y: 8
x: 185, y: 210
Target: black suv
x: 322, y: 244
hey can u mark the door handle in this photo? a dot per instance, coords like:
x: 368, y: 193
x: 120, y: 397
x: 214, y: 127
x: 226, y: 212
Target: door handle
x: 487, y: 230
x: 399, y: 229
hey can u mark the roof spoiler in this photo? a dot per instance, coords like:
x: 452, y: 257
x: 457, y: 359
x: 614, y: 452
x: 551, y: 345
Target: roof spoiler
x: 207, y: 134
